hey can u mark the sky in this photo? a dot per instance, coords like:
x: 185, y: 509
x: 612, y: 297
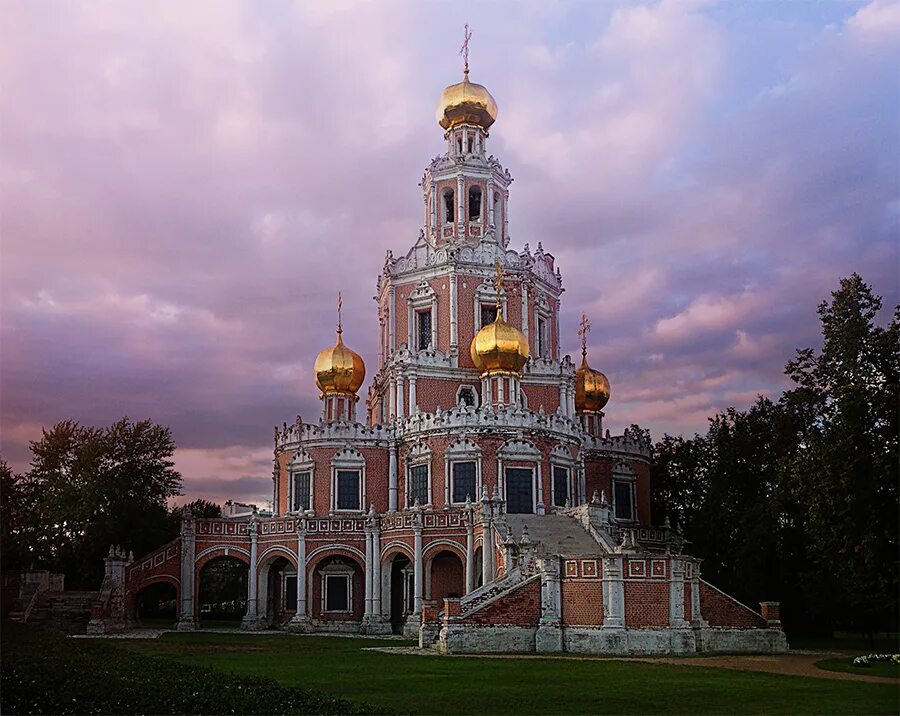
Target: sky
x: 185, y: 186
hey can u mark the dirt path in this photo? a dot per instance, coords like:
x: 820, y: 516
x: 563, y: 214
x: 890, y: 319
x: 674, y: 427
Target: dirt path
x: 791, y: 664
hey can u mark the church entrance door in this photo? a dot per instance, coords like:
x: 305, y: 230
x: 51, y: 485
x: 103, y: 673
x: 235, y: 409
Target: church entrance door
x: 519, y: 486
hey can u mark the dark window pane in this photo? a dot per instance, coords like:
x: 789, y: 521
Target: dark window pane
x: 467, y: 396
x: 488, y: 314
x: 474, y: 203
x: 519, y: 499
x: 622, y: 497
x: 290, y: 593
x: 449, y: 205
x: 418, y: 485
x: 337, y: 593
x: 541, y: 336
x: 301, y: 491
x: 348, y: 489
x: 464, y: 481
x: 424, y: 319
x: 560, y: 486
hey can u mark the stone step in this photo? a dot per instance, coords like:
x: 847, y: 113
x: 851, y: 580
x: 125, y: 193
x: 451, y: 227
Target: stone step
x: 555, y: 535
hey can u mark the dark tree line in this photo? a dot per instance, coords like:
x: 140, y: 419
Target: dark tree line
x: 88, y: 488
x: 797, y: 499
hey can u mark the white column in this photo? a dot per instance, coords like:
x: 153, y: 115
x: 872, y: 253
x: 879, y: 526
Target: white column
x: 540, y: 490
x: 391, y: 318
x: 392, y: 398
x: 454, y: 339
x: 499, y: 380
x: 433, y: 210
x: 400, y: 396
x: 251, y: 618
x: 368, y: 610
x: 524, y: 309
x: 413, y: 402
x: 186, y: 619
x: 490, y: 203
x: 417, y: 575
x: 613, y: 592
x: 470, y: 552
x: 392, y: 477
x: 676, y: 594
x: 487, y: 542
x: 556, y: 342
x: 461, y: 204
x: 301, y: 569
x: 563, y: 399
x: 376, y: 573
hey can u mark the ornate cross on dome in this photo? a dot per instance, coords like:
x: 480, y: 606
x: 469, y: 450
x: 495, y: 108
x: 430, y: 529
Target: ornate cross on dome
x: 498, y: 285
x: 340, y: 306
x: 464, y: 50
x: 584, y: 327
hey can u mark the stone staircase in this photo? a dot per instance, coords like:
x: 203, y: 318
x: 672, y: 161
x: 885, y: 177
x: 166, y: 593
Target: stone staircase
x: 67, y: 612
x: 553, y: 535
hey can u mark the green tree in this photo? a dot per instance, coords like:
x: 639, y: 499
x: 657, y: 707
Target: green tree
x: 88, y: 488
x: 845, y: 469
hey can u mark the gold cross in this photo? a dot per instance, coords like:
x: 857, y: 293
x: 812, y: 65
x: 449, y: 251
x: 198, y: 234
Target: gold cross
x: 340, y: 305
x: 464, y: 50
x: 584, y: 327
x: 498, y: 285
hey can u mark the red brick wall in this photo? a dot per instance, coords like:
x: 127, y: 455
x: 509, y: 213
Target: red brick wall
x: 720, y: 610
x: 521, y: 607
x: 582, y: 602
x: 447, y: 576
x: 646, y: 604
x: 538, y: 395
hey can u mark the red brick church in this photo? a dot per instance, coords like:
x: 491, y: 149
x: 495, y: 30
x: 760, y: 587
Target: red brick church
x: 473, y: 497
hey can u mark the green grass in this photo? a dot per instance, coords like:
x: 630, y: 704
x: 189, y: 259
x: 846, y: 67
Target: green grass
x: 470, y: 685
x: 845, y: 664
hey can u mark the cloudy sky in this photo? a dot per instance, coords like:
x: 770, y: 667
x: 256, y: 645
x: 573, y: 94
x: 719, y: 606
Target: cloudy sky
x: 184, y: 187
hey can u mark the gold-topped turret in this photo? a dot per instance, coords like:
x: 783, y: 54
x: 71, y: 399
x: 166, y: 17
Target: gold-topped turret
x: 466, y: 102
x: 339, y: 369
x: 499, y: 347
x: 591, y: 386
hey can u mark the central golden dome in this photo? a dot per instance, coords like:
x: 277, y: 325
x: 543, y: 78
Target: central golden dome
x: 338, y: 369
x: 498, y: 347
x: 466, y: 102
x: 591, y: 389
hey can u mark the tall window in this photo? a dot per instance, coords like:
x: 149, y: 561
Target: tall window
x: 542, y: 337
x: 449, y: 206
x: 474, y: 203
x: 337, y: 585
x: 301, y: 491
x: 560, y: 486
x: 623, y: 499
x: 418, y: 485
x: 348, y: 489
x: 463, y: 481
x: 488, y: 314
x: 423, y: 327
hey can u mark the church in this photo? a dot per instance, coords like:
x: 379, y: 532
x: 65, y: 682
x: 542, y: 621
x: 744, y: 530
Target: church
x: 471, y: 496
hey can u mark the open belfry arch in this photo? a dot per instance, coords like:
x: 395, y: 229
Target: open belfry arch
x: 474, y: 497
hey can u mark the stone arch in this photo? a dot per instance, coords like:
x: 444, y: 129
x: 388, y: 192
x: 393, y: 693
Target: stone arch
x: 446, y: 544
x: 392, y: 548
x: 220, y: 550
x: 220, y: 590
x: 445, y: 574
x: 134, y: 604
x: 276, y: 585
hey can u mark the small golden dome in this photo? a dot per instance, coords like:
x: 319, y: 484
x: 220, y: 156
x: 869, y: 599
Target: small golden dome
x: 338, y: 369
x: 591, y: 389
x: 466, y: 102
x: 498, y: 347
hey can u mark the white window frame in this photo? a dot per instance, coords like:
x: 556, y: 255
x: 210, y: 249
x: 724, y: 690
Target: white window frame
x: 348, y: 459
x: 463, y: 450
x: 337, y: 570
x: 418, y: 456
x: 422, y: 298
x: 474, y: 390
x: 542, y: 339
x: 625, y: 474
x: 560, y: 457
x: 301, y: 462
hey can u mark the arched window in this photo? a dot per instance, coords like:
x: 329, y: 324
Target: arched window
x: 449, y: 206
x: 474, y: 203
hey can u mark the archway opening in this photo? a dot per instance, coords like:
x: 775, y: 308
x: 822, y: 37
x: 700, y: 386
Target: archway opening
x: 402, y: 585
x: 156, y: 605
x: 279, y: 591
x: 222, y: 592
x: 448, y: 576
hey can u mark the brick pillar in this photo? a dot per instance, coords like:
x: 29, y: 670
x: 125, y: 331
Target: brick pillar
x: 771, y: 612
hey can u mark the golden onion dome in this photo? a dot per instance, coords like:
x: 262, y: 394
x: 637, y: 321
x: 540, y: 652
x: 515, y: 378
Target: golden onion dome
x: 466, y: 102
x: 338, y: 369
x: 591, y: 389
x: 499, y: 347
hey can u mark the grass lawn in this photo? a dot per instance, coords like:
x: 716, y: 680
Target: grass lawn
x: 450, y: 685
x: 845, y: 664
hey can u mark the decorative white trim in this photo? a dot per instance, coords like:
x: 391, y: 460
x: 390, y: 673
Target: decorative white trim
x: 336, y: 571
x: 348, y: 459
x: 471, y: 387
x: 419, y: 455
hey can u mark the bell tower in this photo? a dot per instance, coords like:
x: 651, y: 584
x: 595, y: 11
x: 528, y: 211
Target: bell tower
x: 466, y: 191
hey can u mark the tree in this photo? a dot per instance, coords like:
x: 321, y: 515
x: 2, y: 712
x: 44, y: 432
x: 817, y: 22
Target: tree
x: 88, y: 488
x: 845, y: 471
